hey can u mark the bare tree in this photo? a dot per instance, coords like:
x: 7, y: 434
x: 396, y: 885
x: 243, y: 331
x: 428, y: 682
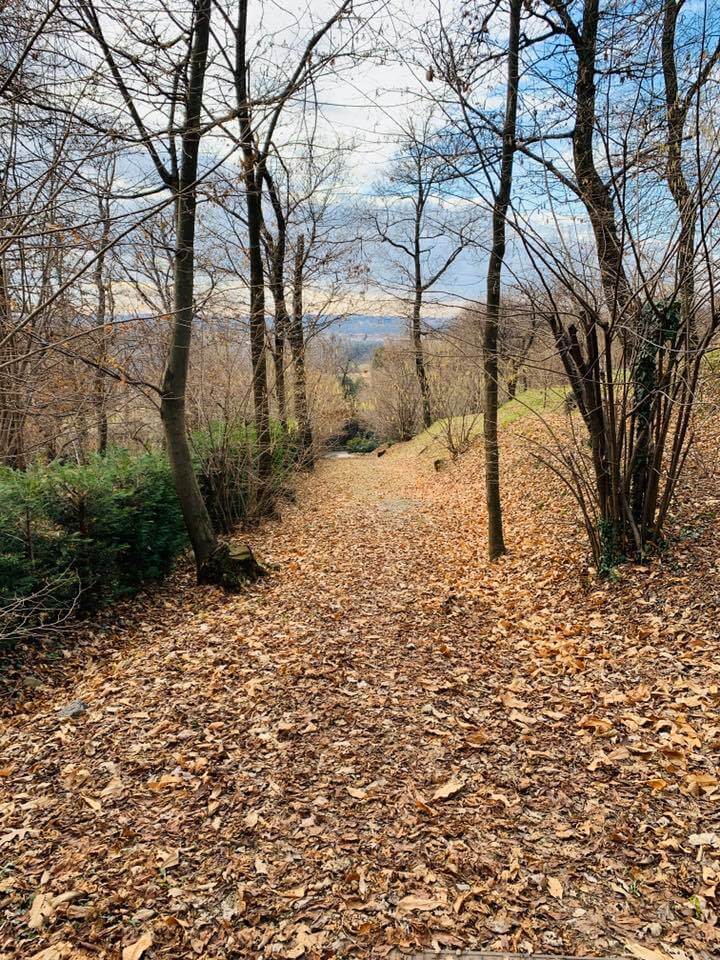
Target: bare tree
x: 427, y: 234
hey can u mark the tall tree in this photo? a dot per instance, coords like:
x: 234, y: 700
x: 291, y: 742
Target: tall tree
x: 496, y: 540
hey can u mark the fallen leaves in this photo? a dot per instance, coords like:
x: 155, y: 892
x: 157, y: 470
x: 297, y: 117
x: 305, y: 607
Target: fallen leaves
x: 165, y: 782
x: 40, y: 910
x: 440, y: 756
x: 45, y: 905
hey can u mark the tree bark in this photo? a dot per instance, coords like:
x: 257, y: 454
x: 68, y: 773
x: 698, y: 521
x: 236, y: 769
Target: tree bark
x: 253, y: 175
x: 676, y: 112
x: 496, y: 542
x: 276, y: 248
x: 420, y: 370
x: 296, y: 337
x: 12, y: 415
x: 595, y: 193
x: 258, y: 351
x: 416, y: 330
x: 101, y: 418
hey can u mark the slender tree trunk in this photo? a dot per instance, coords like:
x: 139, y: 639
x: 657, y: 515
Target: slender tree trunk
x: 12, y: 418
x: 621, y: 305
x: 276, y: 269
x: 296, y: 338
x: 258, y: 332
x: 101, y: 419
x: 416, y: 330
x: 279, y: 336
x: 215, y: 562
x: 496, y: 542
x: 420, y: 370
x: 676, y: 112
x: 253, y: 175
x: 596, y: 195
x: 282, y: 323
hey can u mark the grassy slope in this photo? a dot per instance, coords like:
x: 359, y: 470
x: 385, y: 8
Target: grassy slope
x: 433, y: 440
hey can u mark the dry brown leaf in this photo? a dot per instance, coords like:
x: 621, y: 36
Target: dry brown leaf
x: 166, y: 781
x: 646, y: 953
x: 423, y: 806
x: 449, y: 789
x: 40, y: 910
x: 135, y: 950
x: 599, y: 725
x: 413, y: 904
x: 58, y: 951
x: 699, y: 783
x: 555, y: 888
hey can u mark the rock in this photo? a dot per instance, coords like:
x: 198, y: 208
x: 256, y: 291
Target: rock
x: 73, y: 709
x: 381, y: 451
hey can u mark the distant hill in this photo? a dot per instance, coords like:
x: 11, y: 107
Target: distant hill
x: 362, y: 327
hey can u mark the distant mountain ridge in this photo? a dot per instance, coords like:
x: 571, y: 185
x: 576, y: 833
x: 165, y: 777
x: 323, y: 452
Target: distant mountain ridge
x: 360, y: 326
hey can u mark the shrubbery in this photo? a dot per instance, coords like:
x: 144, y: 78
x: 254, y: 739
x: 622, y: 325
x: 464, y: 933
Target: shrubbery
x: 78, y: 536
x: 362, y: 443
x: 75, y: 537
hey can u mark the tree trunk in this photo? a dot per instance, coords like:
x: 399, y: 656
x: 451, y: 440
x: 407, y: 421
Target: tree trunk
x: 258, y: 331
x: 496, y: 542
x: 279, y: 335
x: 12, y: 417
x: 596, y: 196
x: 684, y: 201
x: 276, y: 269
x: 101, y: 419
x: 296, y: 337
x: 213, y: 559
x: 420, y: 370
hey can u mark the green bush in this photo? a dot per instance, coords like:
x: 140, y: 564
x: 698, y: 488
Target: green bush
x: 362, y: 443
x: 79, y: 536
x: 225, y: 458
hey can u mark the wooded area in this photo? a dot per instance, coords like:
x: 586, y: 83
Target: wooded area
x: 359, y: 472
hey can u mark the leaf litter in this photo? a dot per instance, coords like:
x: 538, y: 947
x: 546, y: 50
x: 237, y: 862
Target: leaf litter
x: 387, y: 746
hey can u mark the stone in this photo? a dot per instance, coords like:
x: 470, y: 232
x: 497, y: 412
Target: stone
x: 73, y: 709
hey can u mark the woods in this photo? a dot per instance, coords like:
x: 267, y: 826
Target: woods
x: 359, y: 420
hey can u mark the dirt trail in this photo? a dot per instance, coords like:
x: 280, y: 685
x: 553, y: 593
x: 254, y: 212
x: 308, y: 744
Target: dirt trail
x: 385, y: 745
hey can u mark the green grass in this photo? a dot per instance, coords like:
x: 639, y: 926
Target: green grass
x: 528, y: 402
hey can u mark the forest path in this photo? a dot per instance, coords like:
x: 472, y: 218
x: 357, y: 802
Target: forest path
x: 383, y: 746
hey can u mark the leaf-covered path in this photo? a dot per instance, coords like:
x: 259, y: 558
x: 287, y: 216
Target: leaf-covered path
x: 385, y: 746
